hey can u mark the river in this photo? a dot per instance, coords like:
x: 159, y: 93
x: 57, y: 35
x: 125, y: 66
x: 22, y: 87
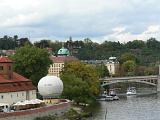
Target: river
x: 145, y: 107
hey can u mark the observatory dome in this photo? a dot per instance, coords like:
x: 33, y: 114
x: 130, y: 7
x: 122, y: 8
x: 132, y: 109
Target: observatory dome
x: 50, y: 86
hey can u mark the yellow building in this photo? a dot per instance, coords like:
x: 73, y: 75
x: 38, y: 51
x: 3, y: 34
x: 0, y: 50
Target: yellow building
x: 63, y: 56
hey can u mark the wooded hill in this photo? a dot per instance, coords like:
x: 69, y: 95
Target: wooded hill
x: 147, y: 52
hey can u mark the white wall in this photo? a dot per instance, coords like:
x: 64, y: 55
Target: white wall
x: 13, y: 97
x: 32, y: 94
x: 112, y: 68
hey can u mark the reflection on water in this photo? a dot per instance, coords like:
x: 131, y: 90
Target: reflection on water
x: 129, y: 108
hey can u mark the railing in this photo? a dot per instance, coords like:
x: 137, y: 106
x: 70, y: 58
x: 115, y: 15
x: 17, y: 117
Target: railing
x: 152, y: 80
x: 130, y: 78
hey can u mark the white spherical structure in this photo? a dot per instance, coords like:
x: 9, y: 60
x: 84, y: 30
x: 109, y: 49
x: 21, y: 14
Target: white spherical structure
x: 50, y: 86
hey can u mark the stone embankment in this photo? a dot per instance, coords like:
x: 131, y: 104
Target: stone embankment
x: 31, y: 114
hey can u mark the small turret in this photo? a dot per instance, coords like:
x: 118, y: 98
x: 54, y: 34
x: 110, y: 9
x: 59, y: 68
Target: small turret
x: 6, y: 69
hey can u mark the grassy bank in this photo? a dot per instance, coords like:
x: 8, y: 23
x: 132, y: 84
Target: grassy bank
x: 75, y: 113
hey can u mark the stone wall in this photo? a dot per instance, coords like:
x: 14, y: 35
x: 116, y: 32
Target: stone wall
x: 31, y: 114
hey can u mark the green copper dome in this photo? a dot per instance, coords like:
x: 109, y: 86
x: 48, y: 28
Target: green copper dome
x: 63, y: 51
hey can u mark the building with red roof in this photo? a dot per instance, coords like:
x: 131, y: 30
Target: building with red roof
x: 59, y: 60
x: 14, y: 87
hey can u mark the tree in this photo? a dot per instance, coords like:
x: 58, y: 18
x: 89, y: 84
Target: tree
x: 102, y: 70
x: 129, y: 67
x: 81, y: 82
x: 43, y: 43
x: 23, y: 41
x: 7, y: 43
x: 128, y: 56
x: 152, y: 43
x: 31, y: 62
x: 135, y: 44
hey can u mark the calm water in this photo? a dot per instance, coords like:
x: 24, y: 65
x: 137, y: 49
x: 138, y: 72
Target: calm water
x: 129, y: 108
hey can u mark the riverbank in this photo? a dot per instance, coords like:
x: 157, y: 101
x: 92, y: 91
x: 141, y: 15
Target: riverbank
x: 77, y: 112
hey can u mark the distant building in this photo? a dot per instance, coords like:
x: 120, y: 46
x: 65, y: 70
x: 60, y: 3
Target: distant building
x: 7, y: 52
x: 14, y: 87
x: 112, y: 64
x: 63, y: 56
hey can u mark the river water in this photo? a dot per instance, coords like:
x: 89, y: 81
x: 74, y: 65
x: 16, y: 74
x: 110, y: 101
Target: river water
x: 145, y: 107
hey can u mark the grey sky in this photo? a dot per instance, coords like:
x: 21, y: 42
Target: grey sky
x: 119, y: 20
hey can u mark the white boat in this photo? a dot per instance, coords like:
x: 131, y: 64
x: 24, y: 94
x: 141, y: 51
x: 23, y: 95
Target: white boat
x: 112, y: 93
x: 109, y: 98
x: 131, y: 91
x: 115, y: 97
x: 101, y: 97
x: 105, y: 97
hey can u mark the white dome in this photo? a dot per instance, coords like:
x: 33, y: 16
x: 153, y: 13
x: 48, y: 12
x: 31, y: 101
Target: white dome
x: 50, y: 86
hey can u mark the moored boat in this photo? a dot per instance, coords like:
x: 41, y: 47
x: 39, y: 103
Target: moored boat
x: 131, y: 91
x: 112, y: 93
x: 105, y: 97
x: 115, y: 97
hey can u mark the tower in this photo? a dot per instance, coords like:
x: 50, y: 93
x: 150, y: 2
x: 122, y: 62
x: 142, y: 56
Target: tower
x: 112, y: 65
x: 6, y: 69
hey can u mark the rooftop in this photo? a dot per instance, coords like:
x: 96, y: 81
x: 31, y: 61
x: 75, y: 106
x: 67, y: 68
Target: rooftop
x: 62, y: 59
x: 63, y: 51
x: 4, y: 59
x: 16, y: 83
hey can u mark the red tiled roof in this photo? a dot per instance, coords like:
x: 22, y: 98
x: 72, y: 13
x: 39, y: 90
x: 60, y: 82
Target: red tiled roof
x: 5, y: 59
x: 14, y: 87
x: 18, y: 83
x: 16, y: 78
x: 60, y: 59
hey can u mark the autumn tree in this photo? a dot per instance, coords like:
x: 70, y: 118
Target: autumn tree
x: 81, y: 82
x: 128, y: 56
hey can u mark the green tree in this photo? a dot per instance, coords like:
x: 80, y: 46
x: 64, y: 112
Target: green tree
x: 81, y: 82
x: 32, y: 62
x: 135, y: 44
x: 129, y: 67
x: 43, y: 43
x: 152, y: 43
x: 128, y: 56
x: 102, y: 70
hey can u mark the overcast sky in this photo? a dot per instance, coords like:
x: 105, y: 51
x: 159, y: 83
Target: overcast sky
x: 114, y: 20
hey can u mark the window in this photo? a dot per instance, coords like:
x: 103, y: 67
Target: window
x: 1, y: 67
x: 2, y: 96
x: 9, y: 67
x: 17, y: 94
x: 11, y: 95
x: 22, y: 94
